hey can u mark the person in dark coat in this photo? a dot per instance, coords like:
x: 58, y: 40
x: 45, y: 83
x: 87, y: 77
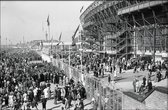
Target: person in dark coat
x: 166, y: 73
x: 144, y: 81
x: 59, y: 94
x: 56, y: 79
x: 56, y: 94
x: 44, y: 101
x: 149, y: 85
x: 81, y: 105
x: 109, y: 78
x: 41, y: 77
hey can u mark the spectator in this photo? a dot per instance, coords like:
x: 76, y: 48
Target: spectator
x: 137, y: 86
x: 11, y: 100
x: 134, y: 84
x: 158, y: 75
x: 81, y: 105
x: 144, y: 81
x: 166, y: 73
x: 44, y: 101
x: 25, y: 101
x: 66, y: 104
x: 62, y: 93
x: 109, y: 78
x: 56, y: 94
x: 149, y: 86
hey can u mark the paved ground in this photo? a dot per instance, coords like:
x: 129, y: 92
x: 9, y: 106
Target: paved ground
x: 52, y: 106
x: 125, y: 79
x: 122, y: 82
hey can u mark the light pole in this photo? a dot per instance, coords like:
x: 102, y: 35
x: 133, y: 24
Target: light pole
x: 62, y: 49
x: 0, y: 47
x: 154, y: 44
x: 134, y: 33
x: 69, y: 56
x: 6, y: 42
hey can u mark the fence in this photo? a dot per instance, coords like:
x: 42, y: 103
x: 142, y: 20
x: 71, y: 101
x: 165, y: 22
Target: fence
x: 106, y: 97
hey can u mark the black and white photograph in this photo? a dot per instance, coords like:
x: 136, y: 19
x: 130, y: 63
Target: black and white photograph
x: 84, y: 55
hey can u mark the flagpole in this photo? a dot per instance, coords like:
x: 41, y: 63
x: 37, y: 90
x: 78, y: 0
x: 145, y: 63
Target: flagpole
x: 46, y: 36
x: 49, y: 33
x: 69, y: 59
x: 81, y: 53
x: 62, y: 49
x: 6, y: 42
x: 43, y: 29
x: 48, y: 23
x: 51, y: 44
x: 0, y: 48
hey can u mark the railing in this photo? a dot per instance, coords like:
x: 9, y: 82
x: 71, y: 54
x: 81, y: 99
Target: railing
x: 107, y: 97
x: 123, y: 55
x: 121, y: 41
x: 138, y: 6
x: 117, y: 34
x: 88, y: 24
x: 122, y: 47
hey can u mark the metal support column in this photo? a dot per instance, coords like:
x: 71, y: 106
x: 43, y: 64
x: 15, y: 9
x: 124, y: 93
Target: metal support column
x: 0, y: 48
x: 154, y: 40
x: 126, y: 46
x: 154, y: 45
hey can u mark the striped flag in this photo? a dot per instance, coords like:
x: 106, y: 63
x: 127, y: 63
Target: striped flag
x: 48, y: 21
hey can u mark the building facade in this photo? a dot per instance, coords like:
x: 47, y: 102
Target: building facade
x: 127, y: 28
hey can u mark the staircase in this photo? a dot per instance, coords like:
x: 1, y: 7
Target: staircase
x: 121, y: 41
x: 122, y: 55
x: 117, y: 34
x: 122, y: 47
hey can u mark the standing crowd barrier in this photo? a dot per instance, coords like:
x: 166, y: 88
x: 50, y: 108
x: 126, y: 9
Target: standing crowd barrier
x: 106, y: 97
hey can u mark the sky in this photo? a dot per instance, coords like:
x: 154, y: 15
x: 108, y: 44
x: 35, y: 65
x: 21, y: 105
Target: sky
x: 27, y: 20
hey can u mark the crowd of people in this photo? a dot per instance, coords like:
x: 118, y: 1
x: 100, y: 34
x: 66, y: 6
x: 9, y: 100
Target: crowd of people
x: 99, y: 64
x: 23, y: 85
x: 70, y: 92
x: 157, y: 70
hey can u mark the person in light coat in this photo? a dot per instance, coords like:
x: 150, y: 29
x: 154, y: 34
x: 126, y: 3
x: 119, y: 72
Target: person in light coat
x: 137, y: 86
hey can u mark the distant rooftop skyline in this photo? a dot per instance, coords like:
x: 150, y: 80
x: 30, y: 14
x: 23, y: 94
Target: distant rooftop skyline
x: 27, y: 20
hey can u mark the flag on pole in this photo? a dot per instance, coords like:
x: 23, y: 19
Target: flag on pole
x: 46, y: 35
x: 51, y: 44
x: 73, y: 37
x: 41, y: 44
x: 60, y: 37
x: 52, y: 40
x: 81, y: 9
x: 48, y: 21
